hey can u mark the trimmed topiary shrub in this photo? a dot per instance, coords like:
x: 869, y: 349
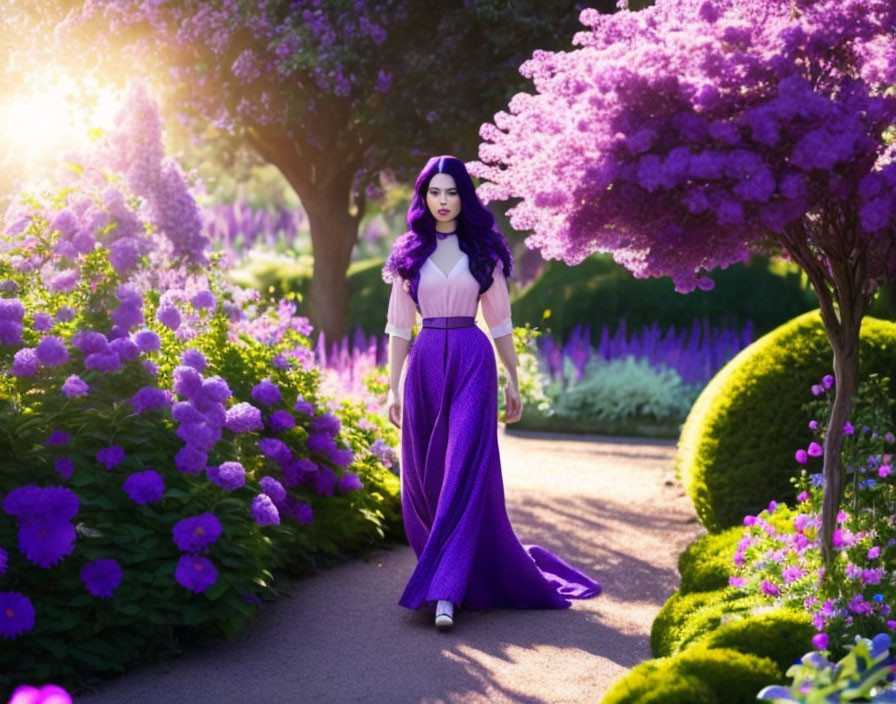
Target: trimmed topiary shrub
x: 782, y: 635
x: 736, y: 448
x: 706, y: 563
x: 685, y: 618
x: 697, y: 676
x: 600, y: 291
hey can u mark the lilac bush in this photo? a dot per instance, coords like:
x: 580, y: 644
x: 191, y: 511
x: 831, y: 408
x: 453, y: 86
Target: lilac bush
x: 133, y: 465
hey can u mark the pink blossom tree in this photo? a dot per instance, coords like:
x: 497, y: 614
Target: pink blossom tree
x: 332, y: 93
x: 684, y: 136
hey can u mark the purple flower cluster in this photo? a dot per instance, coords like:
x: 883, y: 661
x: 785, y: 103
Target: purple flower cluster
x: 325, y: 444
x: 12, y: 312
x: 228, y: 475
x: 144, y: 487
x: 97, y: 351
x: 243, y: 418
x: 129, y: 312
x: 44, y: 515
x: 201, y: 417
x: 281, y: 420
x: 193, y: 535
x: 110, y: 457
x: 101, y: 577
x: 51, y: 351
x: 196, y: 573
x: 264, y: 511
x: 147, y: 341
x: 74, y: 386
x: 196, y: 533
x: 266, y: 392
x: 16, y: 614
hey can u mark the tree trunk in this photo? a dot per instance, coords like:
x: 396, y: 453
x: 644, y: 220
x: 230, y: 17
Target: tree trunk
x: 843, y: 326
x: 333, y: 234
x: 843, y: 306
x: 846, y: 376
x: 323, y: 182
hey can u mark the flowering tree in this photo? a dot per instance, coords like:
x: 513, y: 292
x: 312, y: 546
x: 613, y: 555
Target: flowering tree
x: 332, y: 93
x: 684, y: 136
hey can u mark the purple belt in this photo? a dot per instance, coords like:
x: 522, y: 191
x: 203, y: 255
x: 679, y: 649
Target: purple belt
x: 457, y: 321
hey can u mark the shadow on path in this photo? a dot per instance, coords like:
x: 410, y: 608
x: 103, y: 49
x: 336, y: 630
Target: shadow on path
x: 340, y: 636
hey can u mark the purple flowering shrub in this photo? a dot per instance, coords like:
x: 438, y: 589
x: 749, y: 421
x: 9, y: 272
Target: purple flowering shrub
x: 168, y: 455
x: 779, y: 554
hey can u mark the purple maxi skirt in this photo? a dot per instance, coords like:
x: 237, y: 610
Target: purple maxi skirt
x: 452, y: 493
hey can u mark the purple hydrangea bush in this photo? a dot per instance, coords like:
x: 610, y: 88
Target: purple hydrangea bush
x: 168, y: 451
x: 779, y: 555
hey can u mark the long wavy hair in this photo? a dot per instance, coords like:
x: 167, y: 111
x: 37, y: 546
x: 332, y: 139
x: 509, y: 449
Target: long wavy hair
x: 477, y: 234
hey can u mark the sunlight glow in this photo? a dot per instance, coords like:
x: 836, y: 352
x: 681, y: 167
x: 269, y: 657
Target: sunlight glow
x: 55, y: 115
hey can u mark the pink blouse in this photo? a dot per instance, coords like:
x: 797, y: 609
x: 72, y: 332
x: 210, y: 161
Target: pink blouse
x: 442, y: 296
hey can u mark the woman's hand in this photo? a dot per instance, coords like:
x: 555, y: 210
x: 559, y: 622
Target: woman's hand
x: 394, y: 406
x: 513, y: 406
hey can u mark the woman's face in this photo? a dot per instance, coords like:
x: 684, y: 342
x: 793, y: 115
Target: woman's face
x: 442, y: 198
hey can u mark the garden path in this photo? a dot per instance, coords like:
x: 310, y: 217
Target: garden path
x: 609, y: 506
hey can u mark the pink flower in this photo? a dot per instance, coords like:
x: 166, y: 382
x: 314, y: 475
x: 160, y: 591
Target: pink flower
x: 801, y: 456
x: 874, y: 552
x: 769, y: 588
x: 815, y: 450
x: 884, y: 471
x: 802, y: 496
x: 820, y: 641
x: 859, y: 606
x: 736, y: 582
x: 792, y: 573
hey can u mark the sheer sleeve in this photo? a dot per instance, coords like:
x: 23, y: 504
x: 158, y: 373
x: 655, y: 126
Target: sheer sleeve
x: 496, y: 304
x: 402, y: 311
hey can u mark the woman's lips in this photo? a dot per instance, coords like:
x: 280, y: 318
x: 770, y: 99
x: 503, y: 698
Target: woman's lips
x: 444, y: 212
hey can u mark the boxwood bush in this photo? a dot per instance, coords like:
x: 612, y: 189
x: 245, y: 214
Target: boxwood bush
x: 685, y: 618
x: 782, y: 635
x: 737, y: 445
x: 706, y: 563
x: 699, y: 675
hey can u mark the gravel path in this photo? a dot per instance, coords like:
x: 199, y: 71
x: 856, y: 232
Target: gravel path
x: 609, y: 506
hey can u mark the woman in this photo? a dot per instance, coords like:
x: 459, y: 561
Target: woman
x: 452, y: 493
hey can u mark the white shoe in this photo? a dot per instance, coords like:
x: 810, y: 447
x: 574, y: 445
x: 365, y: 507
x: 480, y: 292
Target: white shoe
x: 444, y: 614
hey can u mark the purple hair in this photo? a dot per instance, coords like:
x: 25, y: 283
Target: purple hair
x: 477, y: 234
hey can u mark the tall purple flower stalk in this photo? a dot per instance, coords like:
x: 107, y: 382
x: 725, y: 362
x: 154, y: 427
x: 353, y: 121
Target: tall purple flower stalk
x: 696, y: 354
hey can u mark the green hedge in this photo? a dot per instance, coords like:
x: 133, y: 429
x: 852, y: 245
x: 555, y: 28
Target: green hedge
x: 597, y: 290
x: 697, y: 676
x: 600, y: 291
x: 736, y: 448
x: 782, y: 635
x: 686, y: 618
x: 706, y: 563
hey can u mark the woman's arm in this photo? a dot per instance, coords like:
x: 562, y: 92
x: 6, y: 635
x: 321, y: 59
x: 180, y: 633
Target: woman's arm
x: 507, y: 353
x: 398, y: 352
